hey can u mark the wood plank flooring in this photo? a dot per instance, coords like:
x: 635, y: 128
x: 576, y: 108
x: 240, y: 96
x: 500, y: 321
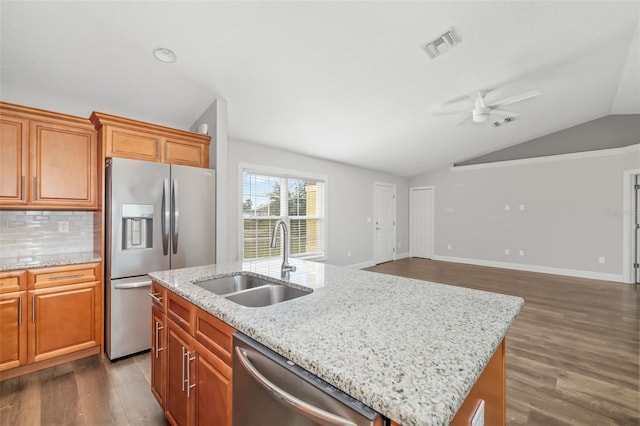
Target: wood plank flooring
x: 573, y: 358
x: 92, y: 391
x: 573, y: 352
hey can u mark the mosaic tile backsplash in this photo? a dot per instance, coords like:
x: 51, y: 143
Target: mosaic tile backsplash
x: 25, y: 234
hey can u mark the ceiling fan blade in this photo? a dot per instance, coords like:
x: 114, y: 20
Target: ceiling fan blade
x: 515, y: 99
x: 466, y: 117
x: 503, y: 113
x: 466, y: 111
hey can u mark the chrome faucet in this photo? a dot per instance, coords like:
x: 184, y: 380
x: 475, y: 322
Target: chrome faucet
x: 285, y: 246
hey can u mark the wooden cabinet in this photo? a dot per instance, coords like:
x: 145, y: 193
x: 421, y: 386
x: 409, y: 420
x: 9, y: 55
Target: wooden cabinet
x: 47, y: 160
x: 197, y: 363
x: 158, y: 344
x: 14, y: 160
x: 56, y: 317
x: 122, y: 137
x: 13, y: 324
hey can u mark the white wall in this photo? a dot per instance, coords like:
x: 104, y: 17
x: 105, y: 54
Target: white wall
x: 572, y: 213
x: 349, y: 201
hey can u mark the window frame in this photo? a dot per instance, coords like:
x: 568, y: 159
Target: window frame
x: 287, y: 174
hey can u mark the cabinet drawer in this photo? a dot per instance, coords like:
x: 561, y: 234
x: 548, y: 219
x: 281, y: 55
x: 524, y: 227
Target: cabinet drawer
x: 62, y: 275
x: 158, y: 297
x: 181, y: 311
x: 215, y: 335
x: 13, y: 281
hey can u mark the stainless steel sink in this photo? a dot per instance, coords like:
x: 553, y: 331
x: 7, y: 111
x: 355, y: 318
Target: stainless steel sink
x: 266, y: 295
x: 232, y: 284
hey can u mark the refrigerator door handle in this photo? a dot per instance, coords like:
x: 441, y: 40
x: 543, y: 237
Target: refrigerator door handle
x: 176, y: 215
x: 166, y: 221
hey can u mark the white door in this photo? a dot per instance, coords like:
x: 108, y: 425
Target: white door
x: 421, y: 222
x: 384, y: 214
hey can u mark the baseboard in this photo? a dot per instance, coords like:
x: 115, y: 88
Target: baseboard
x: 362, y: 265
x: 535, y: 268
x: 402, y: 256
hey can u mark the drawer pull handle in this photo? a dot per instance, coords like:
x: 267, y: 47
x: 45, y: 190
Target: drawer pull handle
x: 22, y: 189
x: 65, y: 277
x: 35, y: 188
x: 158, y: 349
x: 155, y: 297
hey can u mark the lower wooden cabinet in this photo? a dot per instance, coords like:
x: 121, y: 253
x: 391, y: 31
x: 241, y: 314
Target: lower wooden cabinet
x: 192, y: 377
x: 13, y: 330
x: 54, y: 317
x: 158, y: 354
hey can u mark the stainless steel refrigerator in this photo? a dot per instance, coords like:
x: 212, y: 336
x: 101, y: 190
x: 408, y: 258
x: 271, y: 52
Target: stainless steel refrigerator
x: 158, y: 217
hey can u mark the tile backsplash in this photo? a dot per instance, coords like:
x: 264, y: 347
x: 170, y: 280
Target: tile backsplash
x: 27, y: 234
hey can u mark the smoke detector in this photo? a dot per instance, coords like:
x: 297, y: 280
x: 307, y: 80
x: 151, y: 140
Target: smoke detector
x: 441, y: 44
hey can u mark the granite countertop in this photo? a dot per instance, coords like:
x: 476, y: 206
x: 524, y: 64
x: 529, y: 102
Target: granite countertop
x: 409, y: 349
x: 13, y: 264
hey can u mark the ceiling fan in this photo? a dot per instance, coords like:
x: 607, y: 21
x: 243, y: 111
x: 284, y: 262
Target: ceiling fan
x: 482, y: 110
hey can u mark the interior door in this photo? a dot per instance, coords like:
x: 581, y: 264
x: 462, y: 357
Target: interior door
x: 193, y: 235
x: 422, y: 222
x: 384, y: 199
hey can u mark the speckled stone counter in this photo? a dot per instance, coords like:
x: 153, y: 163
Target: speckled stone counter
x: 13, y: 264
x: 409, y: 349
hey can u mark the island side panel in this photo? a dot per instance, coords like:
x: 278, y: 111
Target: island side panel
x: 490, y: 387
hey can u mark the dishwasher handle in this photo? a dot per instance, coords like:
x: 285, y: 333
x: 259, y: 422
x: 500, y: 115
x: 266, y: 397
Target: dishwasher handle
x: 303, y: 408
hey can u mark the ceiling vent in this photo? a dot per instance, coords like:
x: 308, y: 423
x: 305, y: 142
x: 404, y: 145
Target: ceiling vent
x: 504, y: 121
x: 441, y: 44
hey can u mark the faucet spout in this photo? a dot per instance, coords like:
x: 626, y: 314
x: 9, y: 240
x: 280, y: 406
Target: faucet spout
x: 286, y: 268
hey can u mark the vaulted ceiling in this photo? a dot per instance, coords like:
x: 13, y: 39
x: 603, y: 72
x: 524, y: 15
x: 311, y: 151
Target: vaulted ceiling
x: 346, y: 81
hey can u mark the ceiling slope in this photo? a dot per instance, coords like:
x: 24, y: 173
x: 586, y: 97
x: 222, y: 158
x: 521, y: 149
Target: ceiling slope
x: 345, y: 81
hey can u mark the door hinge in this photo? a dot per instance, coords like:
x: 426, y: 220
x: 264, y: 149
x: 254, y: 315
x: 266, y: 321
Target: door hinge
x: 636, y: 265
x: 636, y: 187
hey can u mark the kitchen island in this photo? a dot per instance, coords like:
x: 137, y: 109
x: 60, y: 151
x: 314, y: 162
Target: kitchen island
x: 409, y: 349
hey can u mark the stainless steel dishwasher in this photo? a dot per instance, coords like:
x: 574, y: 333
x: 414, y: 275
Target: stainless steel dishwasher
x: 269, y: 390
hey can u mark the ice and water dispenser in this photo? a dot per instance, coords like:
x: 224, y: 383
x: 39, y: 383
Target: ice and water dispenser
x: 137, y: 226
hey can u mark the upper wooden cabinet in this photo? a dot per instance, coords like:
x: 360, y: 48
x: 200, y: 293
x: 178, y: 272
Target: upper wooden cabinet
x: 47, y: 160
x: 122, y: 137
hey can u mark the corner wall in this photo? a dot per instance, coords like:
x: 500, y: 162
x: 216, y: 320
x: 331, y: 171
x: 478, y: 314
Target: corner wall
x: 349, y: 203
x: 573, y: 213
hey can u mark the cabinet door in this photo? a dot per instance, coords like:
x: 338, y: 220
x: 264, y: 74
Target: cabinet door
x: 133, y: 144
x: 185, y: 153
x: 158, y: 355
x: 14, y: 161
x: 63, y: 166
x: 13, y: 330
x: 178, y: 404
x: 213, y: 389
x: 63, y: 320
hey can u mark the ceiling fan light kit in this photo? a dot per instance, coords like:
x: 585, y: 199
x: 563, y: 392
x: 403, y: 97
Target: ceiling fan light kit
x: 483, y: 111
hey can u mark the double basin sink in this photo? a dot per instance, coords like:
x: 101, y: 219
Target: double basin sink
x: 251, y: 291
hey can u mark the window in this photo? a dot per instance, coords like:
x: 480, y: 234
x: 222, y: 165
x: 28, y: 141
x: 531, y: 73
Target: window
x: 299, y: 200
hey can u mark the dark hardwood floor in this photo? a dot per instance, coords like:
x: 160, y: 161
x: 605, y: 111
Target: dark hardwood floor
x: 92, y: 391
x: 573, y: 352
x: 573, y: 358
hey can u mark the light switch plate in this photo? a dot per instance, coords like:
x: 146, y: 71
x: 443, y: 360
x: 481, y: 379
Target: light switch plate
x: 63, y: 226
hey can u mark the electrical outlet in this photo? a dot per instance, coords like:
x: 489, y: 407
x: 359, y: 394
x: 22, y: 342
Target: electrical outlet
x: 478, y: 416
x: 348, y: 253
x: 601, y: 259
x: 449, y: 247
x: 506, y: 251
x: 521, y: 252
x: 507, y: 207
x: 521, y: 207
x: 63, y: 226
x: 368, y: 220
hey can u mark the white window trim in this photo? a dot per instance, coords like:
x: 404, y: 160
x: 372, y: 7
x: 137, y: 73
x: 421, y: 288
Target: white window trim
x: 288, y: 173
